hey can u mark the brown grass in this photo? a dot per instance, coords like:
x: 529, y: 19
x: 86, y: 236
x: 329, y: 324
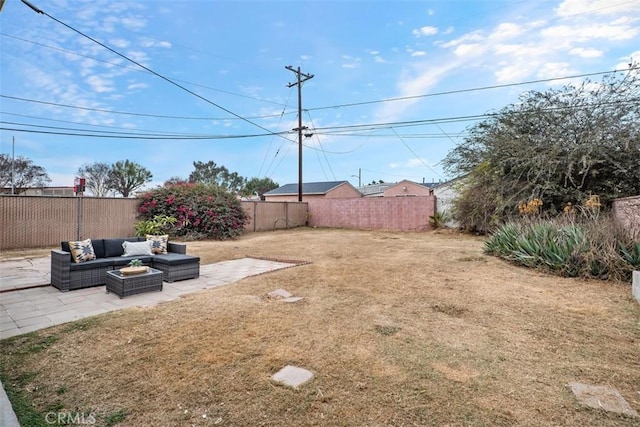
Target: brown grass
x: 398, y: 328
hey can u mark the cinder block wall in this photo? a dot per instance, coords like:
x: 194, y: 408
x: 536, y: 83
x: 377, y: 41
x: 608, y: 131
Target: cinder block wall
x: 384, y: 213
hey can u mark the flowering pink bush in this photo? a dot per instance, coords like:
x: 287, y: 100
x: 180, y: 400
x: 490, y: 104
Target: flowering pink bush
x: 201, y: 211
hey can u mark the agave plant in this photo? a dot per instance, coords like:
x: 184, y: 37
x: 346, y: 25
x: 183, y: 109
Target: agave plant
x: 135, y: 263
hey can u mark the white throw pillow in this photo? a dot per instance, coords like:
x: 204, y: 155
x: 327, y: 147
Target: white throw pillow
x: 137, y: 248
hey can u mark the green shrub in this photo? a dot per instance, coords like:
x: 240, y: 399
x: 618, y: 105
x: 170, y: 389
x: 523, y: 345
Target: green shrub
x: 200, y: 211
x: 437, y: 220
x: 159, y: 224
x: 591, y: 248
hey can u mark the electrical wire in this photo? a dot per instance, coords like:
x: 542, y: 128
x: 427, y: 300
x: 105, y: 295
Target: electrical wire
x: 324, y: 152
x: 467, y: 90
x: 129, y: 113
x: 114, y: 64
x: 39, y: 11
x: 415, y: 154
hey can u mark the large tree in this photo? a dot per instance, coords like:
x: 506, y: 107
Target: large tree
x: 560, y: 145
x: 21, y: 173
x: 97, y: 178
x: 219, y: 176
x: 126, y: 177
x: 258, y: 186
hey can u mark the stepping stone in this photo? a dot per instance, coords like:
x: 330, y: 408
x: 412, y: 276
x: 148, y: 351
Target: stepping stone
x: 292, y: 376
x: 293, y: 299
x: 601, y: 397
x: 280, y: 293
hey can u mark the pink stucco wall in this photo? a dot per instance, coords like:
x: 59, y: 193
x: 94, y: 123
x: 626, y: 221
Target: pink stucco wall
x: 627, y: 213
x: 381, y: 213
x: 406, y: 189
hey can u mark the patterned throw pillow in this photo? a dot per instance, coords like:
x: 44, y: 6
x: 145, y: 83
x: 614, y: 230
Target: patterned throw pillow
x: 82, y: 251
x: 136, y: 248
x: 158, y: 243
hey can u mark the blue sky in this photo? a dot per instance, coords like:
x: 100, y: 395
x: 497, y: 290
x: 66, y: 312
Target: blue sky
x: 388, y: 78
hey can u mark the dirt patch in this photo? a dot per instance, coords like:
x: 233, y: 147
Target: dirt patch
x: 398, y: 329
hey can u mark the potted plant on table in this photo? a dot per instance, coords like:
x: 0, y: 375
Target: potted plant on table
x: 135, y: 267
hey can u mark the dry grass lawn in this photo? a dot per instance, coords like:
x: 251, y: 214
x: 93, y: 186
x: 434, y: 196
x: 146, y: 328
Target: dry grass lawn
x: 400, y: 329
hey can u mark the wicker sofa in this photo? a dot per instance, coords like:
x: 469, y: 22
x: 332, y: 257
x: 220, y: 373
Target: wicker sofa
x: 68, y: 275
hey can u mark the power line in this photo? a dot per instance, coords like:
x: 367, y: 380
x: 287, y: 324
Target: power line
x: 346, y: 130
x: 452, y: 92
x: 55, y: 130
x: 414, y: 153
x: 82, y: 124
x: 39, y: 11
x: 115, y: 64
x: 130, y: 113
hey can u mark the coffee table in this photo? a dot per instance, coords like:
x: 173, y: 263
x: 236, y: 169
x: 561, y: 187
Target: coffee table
x: 125, y: 285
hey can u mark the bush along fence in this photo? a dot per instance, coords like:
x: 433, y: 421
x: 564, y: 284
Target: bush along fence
x: 44, y: 221
x: 591, y: 248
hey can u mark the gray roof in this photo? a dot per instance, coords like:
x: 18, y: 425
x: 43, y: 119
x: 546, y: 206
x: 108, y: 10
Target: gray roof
x: 307, y: 188
x: 375, y: 188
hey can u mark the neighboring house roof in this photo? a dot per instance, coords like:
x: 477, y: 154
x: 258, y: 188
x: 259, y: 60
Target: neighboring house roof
x: 307, y: 188
x: 375, y: 189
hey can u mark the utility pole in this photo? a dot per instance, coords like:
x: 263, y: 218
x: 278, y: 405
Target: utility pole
x: 13, y: 166
x: 300, y: 80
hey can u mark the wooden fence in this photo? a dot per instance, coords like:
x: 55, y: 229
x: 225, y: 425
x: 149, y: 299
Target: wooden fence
x: 44, y: 221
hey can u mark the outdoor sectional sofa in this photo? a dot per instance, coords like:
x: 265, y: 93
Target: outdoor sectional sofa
x: 67, y: 275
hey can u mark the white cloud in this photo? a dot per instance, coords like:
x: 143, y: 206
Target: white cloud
x: 449, y: 30
x: 133, y: 23
x: 475, y: 36
x: 418, y: 53
x: 425, y: 31
x: 582, y: 33
x: 99, y: 84
x: 570, y: 8
x: 474, y: 49
x: 134, y: 86
x: 511, y: 73
x: 506, y: 31
x: 147, y: 43
x: 119, y: 43
x: 555, y: 69
x: 586, y: 52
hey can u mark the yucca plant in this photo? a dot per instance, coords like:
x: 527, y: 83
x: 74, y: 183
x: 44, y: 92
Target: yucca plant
x: 590, y: 248
x: 631, y: 254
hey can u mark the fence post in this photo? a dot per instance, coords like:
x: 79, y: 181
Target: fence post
x: 79, y: 218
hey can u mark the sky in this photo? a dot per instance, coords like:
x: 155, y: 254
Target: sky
x: 388, y: 87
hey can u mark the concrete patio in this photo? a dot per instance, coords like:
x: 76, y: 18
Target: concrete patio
x: 28, y: 303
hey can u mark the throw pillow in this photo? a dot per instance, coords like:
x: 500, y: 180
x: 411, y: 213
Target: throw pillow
x: 158, y: 243
x: 136, y: 248
x: 82, y: 250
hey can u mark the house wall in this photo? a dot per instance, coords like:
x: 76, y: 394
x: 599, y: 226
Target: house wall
x: 405, y: 189
x: 383, y: 213
x: 627, y: 213
x: 341, y: 191
x: 444, y: 202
